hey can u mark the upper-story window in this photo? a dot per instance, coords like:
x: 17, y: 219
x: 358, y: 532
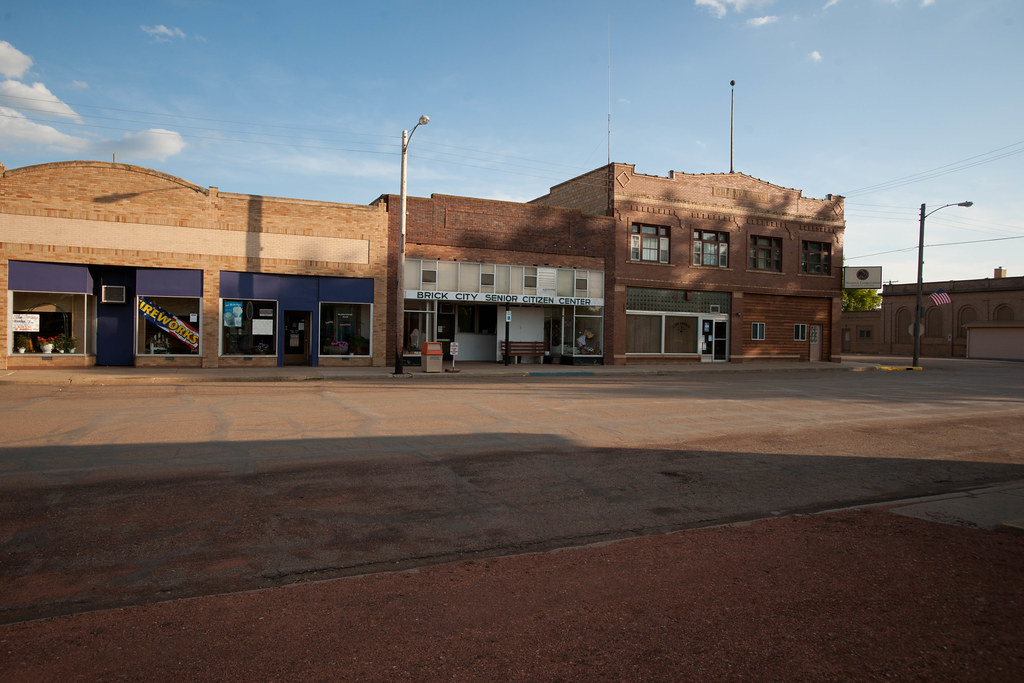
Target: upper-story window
x: 765, y: 253
x: 648, y: 243
x: 816, y: 258
x: 710, y: 248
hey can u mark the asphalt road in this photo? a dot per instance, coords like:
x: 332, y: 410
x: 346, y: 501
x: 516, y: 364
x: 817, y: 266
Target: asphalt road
x: 127, y: 494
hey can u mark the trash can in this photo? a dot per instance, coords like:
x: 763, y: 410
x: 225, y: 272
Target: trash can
x: 433, y: 355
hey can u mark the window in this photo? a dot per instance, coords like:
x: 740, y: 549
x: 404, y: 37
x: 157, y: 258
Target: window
x: 757, y: 331
x: 863, y: 333
x: 816, y: 258
x: 168, y: 326
x: 529, y: 280
x: 345, y: 329
x: 648, y: 243
x: 247, y: 327
x: 799, y: 332
x: 661, y: 333
x: 710, y: 248
x: 765, y: 253
x: 40, y: 318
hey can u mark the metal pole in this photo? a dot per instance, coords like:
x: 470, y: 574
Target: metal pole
x: 732, y: 119
x: 508, y: 342
x: 920, y: 291
x: 400, y: 276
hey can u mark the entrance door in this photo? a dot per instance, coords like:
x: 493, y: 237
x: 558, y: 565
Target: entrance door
x: 714, y: 340
x: 814, y: 337
x: 297, y: 338
x: 721, y: 340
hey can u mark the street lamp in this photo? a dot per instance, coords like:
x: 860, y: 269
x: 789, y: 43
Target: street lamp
x: 400, y: 293
x: 920, y: 277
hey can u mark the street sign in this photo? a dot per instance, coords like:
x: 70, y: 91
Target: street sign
x: 454, y: 348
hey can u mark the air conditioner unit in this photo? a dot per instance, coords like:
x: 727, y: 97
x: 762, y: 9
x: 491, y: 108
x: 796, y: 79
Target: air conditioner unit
x: 714, y: 308
x: 112, y: 294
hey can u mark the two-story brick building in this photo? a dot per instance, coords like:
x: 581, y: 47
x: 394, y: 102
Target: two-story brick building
x: 713, y: 267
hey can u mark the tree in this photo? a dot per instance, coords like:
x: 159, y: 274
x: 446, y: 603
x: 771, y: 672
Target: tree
x: 861, y: 300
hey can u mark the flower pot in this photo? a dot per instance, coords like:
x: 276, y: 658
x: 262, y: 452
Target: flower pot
x: 21, y: 349
x: 46, y: 348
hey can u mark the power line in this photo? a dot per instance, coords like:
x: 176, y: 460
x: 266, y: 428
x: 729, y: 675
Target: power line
x: 941, y: 244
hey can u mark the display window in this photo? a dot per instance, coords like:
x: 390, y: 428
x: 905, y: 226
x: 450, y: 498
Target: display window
x: 419, y: 323
x: 168, y: 326
x: 345, y: 329
x: 50, y: 323
x: 588, y: 331
x: 248, y: 327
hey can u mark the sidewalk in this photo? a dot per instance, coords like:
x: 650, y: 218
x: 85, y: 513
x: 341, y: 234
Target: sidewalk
x: 101, y: 376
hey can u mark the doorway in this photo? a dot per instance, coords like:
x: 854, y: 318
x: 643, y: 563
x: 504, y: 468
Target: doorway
x: 297, y: 338
x: 714, y: 340
x: 814, y: 337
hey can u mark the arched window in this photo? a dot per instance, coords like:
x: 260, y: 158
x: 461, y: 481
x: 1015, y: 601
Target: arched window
x: 967, y: 316
x: 933, y: 323
x: 1003, y: 313
x: 903, y: 324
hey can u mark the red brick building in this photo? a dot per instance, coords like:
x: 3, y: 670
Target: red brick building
x: 713, y: 267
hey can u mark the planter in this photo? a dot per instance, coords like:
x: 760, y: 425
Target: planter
x: 21, y: 349
x: 46, y: 348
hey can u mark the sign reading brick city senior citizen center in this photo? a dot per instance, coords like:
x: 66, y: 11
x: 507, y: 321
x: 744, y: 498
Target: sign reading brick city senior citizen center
x: 481, y: 298
x: 169, y: 323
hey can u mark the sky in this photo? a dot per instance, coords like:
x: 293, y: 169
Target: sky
x: 889, y: 103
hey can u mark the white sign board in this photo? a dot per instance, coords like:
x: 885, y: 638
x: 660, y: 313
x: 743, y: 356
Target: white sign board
x: 863, y: 277
x: 25, y: 322
x: 454, y: 348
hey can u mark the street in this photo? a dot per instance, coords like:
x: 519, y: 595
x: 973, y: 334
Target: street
x: 121, y: 495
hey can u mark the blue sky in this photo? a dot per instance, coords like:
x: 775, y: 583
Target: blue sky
x: 892, y: 103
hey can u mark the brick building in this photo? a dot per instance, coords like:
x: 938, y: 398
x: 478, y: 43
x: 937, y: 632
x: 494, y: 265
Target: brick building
x: 478, y: 272
x: 142, y: 268
x: 990, y: 306
x: 715, y: 267
x: 138, y: 267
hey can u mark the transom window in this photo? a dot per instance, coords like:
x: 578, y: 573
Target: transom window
x: 648, y: 243
x: 765, y: 253
x: 710, y: 248
x: 816, y: 258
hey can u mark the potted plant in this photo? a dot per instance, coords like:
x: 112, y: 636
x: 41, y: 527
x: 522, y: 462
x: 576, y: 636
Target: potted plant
x: 46, y: 344
x: 65, y: 343
x: 21, y: 342
x: 339, y: 346
x: 360, y: 345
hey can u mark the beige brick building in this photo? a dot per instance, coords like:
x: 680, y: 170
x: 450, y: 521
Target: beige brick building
x: 138, y: 267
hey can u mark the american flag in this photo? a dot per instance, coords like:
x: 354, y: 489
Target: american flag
x: 939, y: 297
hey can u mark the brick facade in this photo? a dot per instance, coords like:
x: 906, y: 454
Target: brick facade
x: 735, y: 205
x: 99, y: 213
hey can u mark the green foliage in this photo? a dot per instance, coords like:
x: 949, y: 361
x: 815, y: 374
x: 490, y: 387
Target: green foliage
x: 861, y: 300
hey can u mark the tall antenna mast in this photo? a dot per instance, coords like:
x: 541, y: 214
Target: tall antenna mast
x: 732, y: 120
x: 609, y: 92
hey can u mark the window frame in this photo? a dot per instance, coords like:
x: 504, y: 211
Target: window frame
x: 823, y: 254
x: 800, y: 332
x: 765, y: 245
x: 757, y: 331
x: 700, y: 251
x: 650, y: 243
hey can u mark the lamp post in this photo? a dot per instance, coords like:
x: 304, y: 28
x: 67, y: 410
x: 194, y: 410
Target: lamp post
x: 400, y: 279
x: 920, y: 277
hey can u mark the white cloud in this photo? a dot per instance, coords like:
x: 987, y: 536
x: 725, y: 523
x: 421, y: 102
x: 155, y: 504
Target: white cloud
x: 80, y: 84
x: 761, y: 21
x: 719, y: 8
x: 830, y: 3
x: 35, y: 97
x: 16, y: 128
x: 815, y: 56
x: 926, y: 3
x: 162, y: 34
x: 13, y: 63
x: 155, y: 143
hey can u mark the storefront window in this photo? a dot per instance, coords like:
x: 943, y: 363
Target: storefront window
x: 168, y: 326
x: 247, y: 327
x: 588, y: 332
x: 419, y: 323
x: 345, y: 329
x: 57, y: 321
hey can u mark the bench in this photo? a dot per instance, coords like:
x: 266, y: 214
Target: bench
x: 518, y: 349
